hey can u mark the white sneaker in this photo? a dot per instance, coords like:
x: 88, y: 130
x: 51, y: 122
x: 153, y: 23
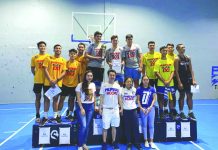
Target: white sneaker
x: 80, y: 148
x: 152, y: 145
x: 146, y: 144
x: 85, y: 147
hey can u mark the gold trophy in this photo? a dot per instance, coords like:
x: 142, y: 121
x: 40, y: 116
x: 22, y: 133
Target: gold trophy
x: 103, y: 51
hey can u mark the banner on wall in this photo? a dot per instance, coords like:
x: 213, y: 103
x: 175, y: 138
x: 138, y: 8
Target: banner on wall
x: 214, y: 76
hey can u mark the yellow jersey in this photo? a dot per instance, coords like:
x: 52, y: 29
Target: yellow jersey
x: 72, y: 74
x: 165, y: 68
x: 83, y: 63
x: 172, y: 57
x: 149, y: 61
x: 55, y: 67
x: 37, y: 62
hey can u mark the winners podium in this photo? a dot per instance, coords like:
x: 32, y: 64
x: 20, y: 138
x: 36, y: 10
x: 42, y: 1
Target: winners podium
x: 66, y: 133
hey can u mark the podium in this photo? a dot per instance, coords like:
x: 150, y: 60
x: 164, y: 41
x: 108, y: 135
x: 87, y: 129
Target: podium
x: 53, y: 134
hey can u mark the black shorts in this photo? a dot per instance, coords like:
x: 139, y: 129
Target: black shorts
x: 98, y: 73
x: 153, y: 82
x: 68, y: 91
x: 46, y: 88
x: 186, y: 86
x: 37, y: 88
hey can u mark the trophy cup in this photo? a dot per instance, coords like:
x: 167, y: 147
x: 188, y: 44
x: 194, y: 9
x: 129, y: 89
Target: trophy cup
x: 103, y: 51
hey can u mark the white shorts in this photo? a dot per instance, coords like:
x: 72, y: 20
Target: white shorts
x: 110, y: 117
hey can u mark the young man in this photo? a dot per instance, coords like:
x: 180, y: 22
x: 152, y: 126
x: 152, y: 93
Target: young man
x: 109, y: 108
x: 185, y: 77
x: 95, y: 54
x: 149, y: 60
x: 70, y: 81
x: 164, y: 70
x: 132, y: 54
x: 39, y: 76
x: 82, y: 59
x: 114, y: 59
x: 55, y: 69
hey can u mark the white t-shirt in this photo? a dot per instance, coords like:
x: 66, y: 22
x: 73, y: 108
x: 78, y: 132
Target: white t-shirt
x: 88, y: 96
x: 129, y: 98
x: 111, y: 93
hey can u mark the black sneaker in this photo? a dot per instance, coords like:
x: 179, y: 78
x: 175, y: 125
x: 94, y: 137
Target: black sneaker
x: 191, y: 116
x: 162, y: 117
x: 70, y: 117
x: 104, y: 146
x: 67, y: 112
x: 58, y: 119
x: 138, y: 146
x: 166, y: 114
x: 38, y: 118
x: 182, y: 116
x: 115, y: 146
x: 129, y: 146
x: 44, y: 121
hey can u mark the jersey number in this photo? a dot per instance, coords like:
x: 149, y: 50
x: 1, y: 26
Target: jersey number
x: 145, y: 97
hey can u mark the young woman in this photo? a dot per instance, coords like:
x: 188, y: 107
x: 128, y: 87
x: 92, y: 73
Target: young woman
x: 85, y: 93
x: 146, y: 97
x: 130, y: 117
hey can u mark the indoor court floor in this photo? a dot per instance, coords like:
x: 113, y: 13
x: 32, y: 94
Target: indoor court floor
x: 17, y: 121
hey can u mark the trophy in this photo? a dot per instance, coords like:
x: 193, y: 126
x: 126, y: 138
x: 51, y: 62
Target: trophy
x: 103, y: 51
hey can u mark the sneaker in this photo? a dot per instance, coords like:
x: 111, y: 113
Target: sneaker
x: 138, y: 146
x: 146, y: 144
x: 58, y: 119
x: 152, y: 145
x: 38, y: 118
x: 191, y: 116
x: 129, y: 146
x: 70, y: 117
x: 80, y: 148
x: 44, y: 121
x: 104, y: 146
x: 115, y: 146
x: 85, y: 147
x: 182, y: 116
x: 162, y: 116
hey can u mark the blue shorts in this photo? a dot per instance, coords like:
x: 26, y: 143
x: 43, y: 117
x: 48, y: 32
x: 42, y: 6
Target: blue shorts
x: 161, y: 89
x: 132, y: 73
x: 119, y: 77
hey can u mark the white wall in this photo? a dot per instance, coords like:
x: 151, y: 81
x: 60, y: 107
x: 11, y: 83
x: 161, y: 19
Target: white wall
x: 23, y: 23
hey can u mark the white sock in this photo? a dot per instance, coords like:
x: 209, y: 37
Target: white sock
x: 70, y: 113
x: 181, y: 111
x: 59, y: 113
x: 55, y: 114
x: 46, y: 114
x: 190, y: 111
x: 165, y: 108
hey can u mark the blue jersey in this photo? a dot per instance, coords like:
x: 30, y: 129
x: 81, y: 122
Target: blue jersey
x: 146, y: 96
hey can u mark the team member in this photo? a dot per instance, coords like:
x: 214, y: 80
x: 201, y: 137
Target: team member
x: 96, y: 56
x: 186, y: 78
x: 70, y: 81
x: 109, y: 108
x: 55, y: 69
x: 132, y: 54
x: 114, y: 58
x: 82, y: 59
x: 39, y: 76
x: 149, y: 60
x: 130, y: 115
x: 85, y: 93
x: 164, y: 69
x: 146, y: 97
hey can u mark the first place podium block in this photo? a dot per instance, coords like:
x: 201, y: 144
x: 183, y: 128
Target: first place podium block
x: 53, y: 134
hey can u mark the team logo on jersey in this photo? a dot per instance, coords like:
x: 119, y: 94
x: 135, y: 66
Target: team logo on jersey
x: 165, y: 67
x: 115, y: 55
x: 131, y: 53
x: 71, y: 71
x: 152, y: 61
x: 128, y: 97
x: 111, y: 91
x: 40, y: 63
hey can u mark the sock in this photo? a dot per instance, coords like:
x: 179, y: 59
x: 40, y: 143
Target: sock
x: 59, y: 113
x: 165, y: 108
x: 190, y: 111
x: 70, y: 113
x: 46, y: 115
x: 181, y: 111
x: 55, y: 114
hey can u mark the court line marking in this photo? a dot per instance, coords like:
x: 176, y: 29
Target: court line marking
x: 17, y: 131
x: 41, y: 148
x: 9, y: 131
x: 15, y: 108
x: 196, y: 145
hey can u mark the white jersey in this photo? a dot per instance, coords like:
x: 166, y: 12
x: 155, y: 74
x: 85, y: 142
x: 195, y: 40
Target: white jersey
x: 129, y: 98
x: 88, y: 95
x: 111, y: 93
